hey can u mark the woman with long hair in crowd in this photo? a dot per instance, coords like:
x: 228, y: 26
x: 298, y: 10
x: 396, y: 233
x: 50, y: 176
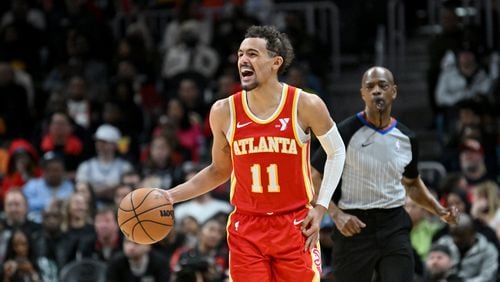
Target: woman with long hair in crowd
x: 20, y: 264
x: 77, y: 223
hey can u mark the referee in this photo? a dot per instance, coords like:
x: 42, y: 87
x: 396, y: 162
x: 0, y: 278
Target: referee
x: 371, y: 234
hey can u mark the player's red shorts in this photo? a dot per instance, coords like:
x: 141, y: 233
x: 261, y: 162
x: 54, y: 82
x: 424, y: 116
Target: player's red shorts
x: 268, y: 248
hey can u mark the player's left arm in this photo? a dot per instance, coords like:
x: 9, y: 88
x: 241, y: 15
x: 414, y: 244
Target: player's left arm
x: 219, y: 170
x: 314, y: 115
x: 418, y: 192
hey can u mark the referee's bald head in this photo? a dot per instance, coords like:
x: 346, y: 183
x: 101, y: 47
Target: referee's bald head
x: 378, y: 71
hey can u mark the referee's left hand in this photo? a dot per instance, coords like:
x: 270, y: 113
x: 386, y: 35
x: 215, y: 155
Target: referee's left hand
x: 311, y: 225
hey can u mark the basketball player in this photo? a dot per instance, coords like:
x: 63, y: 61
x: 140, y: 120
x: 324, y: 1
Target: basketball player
x: 371, y: 233
x: 261, y: 141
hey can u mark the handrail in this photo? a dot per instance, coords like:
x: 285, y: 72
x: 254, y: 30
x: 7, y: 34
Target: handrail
x: 498, y: 10
x: 432, y: 16
x: 488, y: 9
x: 380, y: 46
x: 396, y: 35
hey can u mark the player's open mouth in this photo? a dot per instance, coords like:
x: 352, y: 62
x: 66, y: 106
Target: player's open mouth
x: 246, y: 76
x: 246, y: 72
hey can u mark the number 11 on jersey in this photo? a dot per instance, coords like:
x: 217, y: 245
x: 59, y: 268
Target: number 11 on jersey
x: 272, y: 174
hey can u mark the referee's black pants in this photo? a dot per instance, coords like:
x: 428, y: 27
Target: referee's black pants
x: 382, y: 251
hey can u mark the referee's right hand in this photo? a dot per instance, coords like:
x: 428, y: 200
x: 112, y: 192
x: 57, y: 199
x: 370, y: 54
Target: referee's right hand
x: 347, y: 224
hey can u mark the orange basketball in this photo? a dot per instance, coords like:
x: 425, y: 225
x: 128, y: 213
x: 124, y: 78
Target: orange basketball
x: 145, y: 216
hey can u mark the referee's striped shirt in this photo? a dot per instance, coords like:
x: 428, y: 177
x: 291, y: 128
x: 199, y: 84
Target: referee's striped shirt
x: 376, y: 161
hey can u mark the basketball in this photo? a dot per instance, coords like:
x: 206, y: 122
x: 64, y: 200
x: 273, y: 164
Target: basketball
x: 145, y: 216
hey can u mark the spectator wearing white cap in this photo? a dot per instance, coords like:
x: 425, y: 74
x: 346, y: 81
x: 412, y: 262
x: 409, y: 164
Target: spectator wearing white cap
x: 104, y: 171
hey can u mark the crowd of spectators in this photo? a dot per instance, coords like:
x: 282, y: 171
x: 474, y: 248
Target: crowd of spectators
x: 462, y: 82
x: 97, y: 99
x: 101, y: 97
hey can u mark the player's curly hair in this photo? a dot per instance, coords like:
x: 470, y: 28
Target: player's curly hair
x: 278, y: 43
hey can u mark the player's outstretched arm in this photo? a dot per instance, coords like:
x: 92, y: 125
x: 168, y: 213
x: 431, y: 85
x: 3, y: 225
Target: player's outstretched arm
x: 219, y: 169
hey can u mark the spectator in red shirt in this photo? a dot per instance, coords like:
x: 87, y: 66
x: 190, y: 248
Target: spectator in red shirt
x: 22, y: 166
x: 61, y: 139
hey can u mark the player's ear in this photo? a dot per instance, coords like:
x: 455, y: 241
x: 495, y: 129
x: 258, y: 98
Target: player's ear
x: 278, y: 61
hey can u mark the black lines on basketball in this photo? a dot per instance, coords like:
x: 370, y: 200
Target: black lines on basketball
x: 145, y: 216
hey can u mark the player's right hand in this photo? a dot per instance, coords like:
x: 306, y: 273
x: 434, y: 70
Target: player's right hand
x: 347, y: 224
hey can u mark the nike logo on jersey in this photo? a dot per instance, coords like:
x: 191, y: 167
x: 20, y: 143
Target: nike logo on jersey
x: 366, y: 144
x: 240, y: 125
x: 297, y: 222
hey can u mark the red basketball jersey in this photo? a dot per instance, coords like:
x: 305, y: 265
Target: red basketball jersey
x: 271, y: 172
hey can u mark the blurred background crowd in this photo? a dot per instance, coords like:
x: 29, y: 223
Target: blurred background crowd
x: 99, y: 97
